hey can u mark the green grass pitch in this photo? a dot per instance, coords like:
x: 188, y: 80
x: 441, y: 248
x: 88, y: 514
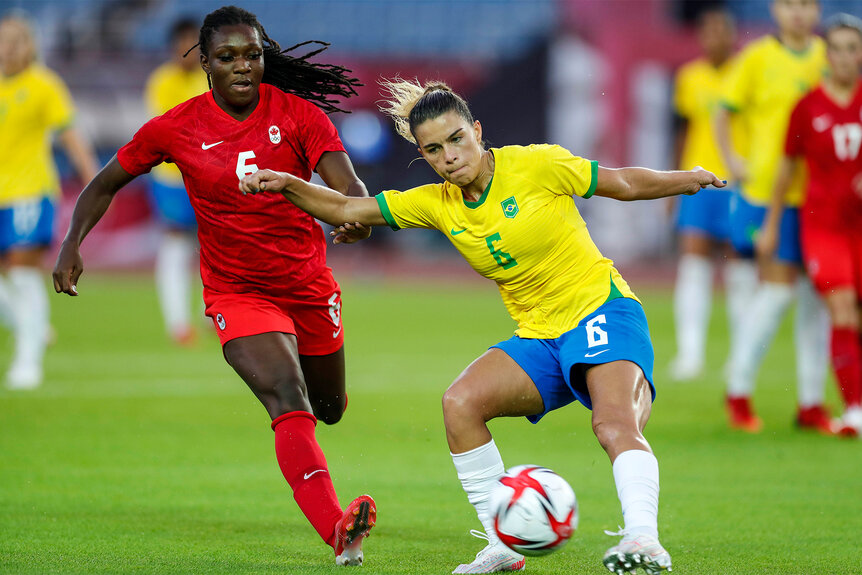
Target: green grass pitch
x: 139, y: 457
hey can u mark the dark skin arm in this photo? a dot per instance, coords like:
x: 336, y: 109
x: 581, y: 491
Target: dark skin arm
x: 89, y: 209
x: 337, y: 172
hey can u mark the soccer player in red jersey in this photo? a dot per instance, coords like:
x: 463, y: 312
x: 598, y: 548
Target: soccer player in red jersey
x: 826, y: 131
x: 267, y: 288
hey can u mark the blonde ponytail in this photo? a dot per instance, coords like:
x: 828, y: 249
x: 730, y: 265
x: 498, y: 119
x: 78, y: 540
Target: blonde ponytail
x: 402, y: 96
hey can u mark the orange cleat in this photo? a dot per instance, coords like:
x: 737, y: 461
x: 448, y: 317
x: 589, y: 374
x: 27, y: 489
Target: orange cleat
x: 358, y: 519
x: 742, y: 415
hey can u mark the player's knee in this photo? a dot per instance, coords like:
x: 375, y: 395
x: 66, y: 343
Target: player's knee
x: 610, y: 431
x: 330, y: 411
x: 458, y: 404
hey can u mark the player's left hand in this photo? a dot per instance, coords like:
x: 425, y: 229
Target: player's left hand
x: 350, y: 233
x: 264, y: 181
x: 705, y: 179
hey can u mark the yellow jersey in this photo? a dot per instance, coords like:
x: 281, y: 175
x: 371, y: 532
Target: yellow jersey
x: 697, y: 94
x: 763, y: 88
x: 168, y: 86
x: 33, y: 104
x: 525, y: 233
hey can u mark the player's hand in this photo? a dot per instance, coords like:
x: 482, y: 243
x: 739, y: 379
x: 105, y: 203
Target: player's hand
x: 766, y: 241
x: 350, y: 233
x: 737, y: 168
x: 264, y: 181
x: 703, y: 179
x: 68, y: 269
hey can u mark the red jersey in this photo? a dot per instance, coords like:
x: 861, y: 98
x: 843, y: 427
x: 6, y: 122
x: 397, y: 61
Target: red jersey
x: 828, y: 136
x: 254, y: 242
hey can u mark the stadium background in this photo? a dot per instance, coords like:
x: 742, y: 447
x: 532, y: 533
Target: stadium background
x: 593, y: 76
x: 136, y: 456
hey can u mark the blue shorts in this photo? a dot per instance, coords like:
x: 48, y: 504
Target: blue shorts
x: 172, y: 205
x: 27, y: 224
x: 707, y: 212
x: 617, y: 330
x: 746, y: 220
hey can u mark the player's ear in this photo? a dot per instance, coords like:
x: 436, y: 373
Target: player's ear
x: 205, y: 64
x: 477, y: 129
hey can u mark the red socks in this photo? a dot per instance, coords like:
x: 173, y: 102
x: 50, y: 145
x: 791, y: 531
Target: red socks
x: 847, y: 363
x: 304, y: 466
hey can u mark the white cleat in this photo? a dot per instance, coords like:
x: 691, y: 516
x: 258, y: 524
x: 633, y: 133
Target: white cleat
x: 494, y: 558
x: 22, y: 377
x: 849, y: 424
x: 642, y: 551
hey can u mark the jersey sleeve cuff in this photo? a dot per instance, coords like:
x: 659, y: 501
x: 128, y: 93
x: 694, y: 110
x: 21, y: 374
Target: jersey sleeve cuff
x: 387, y: 214
x: 594, y: 179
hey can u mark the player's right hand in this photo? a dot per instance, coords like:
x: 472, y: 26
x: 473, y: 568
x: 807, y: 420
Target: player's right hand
x: 264, y: 181
x: 737, y: 168
x: 766, y: 242
x: 68, y: 269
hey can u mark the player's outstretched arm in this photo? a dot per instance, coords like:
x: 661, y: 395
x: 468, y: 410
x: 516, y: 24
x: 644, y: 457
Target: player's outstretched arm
x: 89, y: 209
x: 320, y: 202
x: 628, y: 184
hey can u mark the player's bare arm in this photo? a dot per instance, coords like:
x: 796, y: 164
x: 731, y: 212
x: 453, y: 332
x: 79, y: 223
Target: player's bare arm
x: 320, y: 202
x: 735, y: 163
x: 767, y: 239
x: 89, y: 209
x: 628, y: 184
x: 337, y: 172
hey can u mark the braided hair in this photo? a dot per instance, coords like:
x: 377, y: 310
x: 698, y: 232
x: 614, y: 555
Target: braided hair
x: 312, y: 81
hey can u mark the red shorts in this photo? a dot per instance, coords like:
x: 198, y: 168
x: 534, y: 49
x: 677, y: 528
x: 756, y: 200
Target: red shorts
x: 833, y: 258
x: 312, y: 312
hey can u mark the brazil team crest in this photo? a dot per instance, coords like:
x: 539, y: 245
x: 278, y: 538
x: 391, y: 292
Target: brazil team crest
x: 510, y: 207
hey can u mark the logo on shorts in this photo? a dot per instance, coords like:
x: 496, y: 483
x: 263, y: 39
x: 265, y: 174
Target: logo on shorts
x: 274, y: 134
x: 220, y: 321
x: 510, y: 207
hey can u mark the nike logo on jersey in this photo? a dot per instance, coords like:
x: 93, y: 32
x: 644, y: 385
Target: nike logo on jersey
x: 595, y: 354
x: 205, y: 146
x: 307, y: 475
x: 455, y: 232
x: 336, y: 332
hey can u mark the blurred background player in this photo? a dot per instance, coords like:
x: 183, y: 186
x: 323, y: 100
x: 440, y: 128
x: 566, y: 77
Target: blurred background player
x: 703, y: 219
x: 34, y: 105
x: 582, y: 334
x: 272, y: 298
x: 170, y: 84
x: 826, y: 132
x: 770, y: 77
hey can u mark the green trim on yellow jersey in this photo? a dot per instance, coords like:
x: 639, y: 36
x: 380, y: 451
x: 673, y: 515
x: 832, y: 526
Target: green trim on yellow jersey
x: 384, y: 209
x: 481, y: 200
x: 615, y: 291
x: 594, y: 178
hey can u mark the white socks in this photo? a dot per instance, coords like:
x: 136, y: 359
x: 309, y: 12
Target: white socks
x: 763, y: 318
x: 7, y: 314
x: 811, y: 336
x: 636, y: 477
x: 740, y: 283
x: 173, y: 281
x: 479, y: 470
x: 692, y: 303
x: 29, y: 300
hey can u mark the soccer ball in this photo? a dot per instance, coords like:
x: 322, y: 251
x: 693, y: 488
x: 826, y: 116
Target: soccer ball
x: 535, y: 511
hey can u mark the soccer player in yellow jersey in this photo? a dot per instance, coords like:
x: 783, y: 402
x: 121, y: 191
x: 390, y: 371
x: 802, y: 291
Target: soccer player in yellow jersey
x: 34, y: 104
x: 170, y: 84
x: 772, y: 74
x: 582, y: 334
x: 703, y: 220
